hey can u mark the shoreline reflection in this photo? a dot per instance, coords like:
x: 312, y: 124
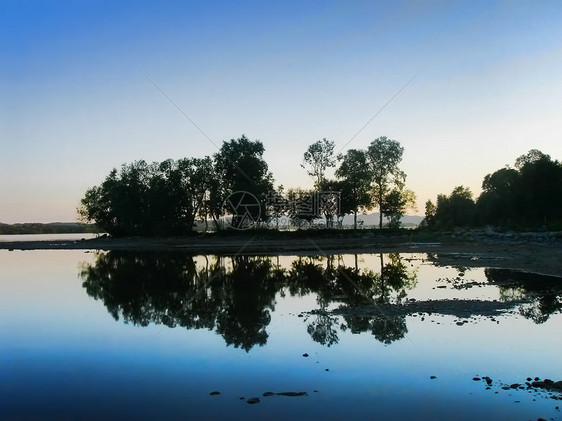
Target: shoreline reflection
x: 235, y: 296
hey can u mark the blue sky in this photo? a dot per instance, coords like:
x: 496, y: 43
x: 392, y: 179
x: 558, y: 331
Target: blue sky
x: 76, y: 99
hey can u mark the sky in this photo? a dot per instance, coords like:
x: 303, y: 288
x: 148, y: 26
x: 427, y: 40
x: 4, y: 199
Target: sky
x: 85, y: 86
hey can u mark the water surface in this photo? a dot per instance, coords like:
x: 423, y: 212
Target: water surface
x: 150, y: 335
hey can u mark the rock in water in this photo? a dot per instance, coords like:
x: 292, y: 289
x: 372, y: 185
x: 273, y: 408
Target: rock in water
x: 214, y: 393
x: 293, y: 394
x: 252, y: 401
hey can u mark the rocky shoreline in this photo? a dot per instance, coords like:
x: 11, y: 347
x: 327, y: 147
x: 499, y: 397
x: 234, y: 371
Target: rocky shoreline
x: 448, y: 307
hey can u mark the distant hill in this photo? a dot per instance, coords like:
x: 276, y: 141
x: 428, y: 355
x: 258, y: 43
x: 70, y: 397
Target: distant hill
x: 372, y: 219
x: 51, y: 228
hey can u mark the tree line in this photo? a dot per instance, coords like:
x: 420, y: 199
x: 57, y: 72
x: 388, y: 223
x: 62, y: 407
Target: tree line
x: 169, y: 197
x: 524, y: 197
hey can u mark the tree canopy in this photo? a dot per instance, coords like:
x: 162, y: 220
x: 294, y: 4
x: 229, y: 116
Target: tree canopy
x: 318, y: 158
x: 356, y: 175
x: 166, y: 198
x: 172, y: 196
x: 527, y: 196
x: 385, y: 156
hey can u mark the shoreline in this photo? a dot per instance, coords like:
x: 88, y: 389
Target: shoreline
x: 530, y: 256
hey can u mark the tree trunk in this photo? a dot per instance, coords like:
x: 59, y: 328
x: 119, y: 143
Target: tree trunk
x: 355, y: 220
x: 382, y: 279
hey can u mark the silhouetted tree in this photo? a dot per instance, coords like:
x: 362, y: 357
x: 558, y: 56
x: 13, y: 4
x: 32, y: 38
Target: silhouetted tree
x: 302, y: 206
x: 356, y: 175
x: 541, y: 190
x: 430, y: 211
x: 158, y: 199
x: 241, y: 168
x: 120, y: 205
x: 528, y: 196
x: 318, y: 157
x: 384, y: 156
x: 455, y: 210
x: 534, y: 155
x: 395, y: 204
x: 499, y: 203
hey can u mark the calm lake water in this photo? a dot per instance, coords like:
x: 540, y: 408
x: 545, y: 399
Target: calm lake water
x: 46, y: 237
x: 119, y: 335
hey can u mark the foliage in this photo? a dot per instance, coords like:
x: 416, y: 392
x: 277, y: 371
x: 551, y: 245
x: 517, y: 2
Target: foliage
x: 531, y: 157
x: 455, y: 210
x: 430, y: 212
x: 500, y: 201
x: 385, y: 155
x: 395, y: 204
x: 157, y: 199
x: 356, y: 175
x: 240, y: 167
x: 234, y: 296
x: 301, y: 206
x: 170, y: 197
x: 528, y: 196
x: 541, y: 191
x: 166, y: 198
x: 329, y: 199
x: 318, y: 157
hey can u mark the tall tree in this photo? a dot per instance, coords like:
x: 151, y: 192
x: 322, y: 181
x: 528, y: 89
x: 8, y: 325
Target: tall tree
x: 385, y: 155
x: 356, y: 173
x: 430, y: 210
x: 541, y: 189
x: 329, y: 199
x: 241, y: 168
x: 500, y: 202
x: 120, y: 204
x: 395, y: 205
x: 302, y: 206
x: 455, y: 210
x: 528, y: 196
x: 318, y: 158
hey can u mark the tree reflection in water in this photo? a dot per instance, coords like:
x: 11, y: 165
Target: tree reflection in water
x: 234, y: 296
x: 390, y: 286
x: 334, y: 282
x: 543, y: 292
x: 170, y: 289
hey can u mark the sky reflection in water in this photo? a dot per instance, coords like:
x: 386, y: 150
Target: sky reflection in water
x: 140, y: 336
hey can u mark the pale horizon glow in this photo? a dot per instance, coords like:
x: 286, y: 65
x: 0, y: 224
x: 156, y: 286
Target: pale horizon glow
x: 76, y: 99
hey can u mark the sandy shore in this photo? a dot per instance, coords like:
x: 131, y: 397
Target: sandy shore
x: 513, y: 253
